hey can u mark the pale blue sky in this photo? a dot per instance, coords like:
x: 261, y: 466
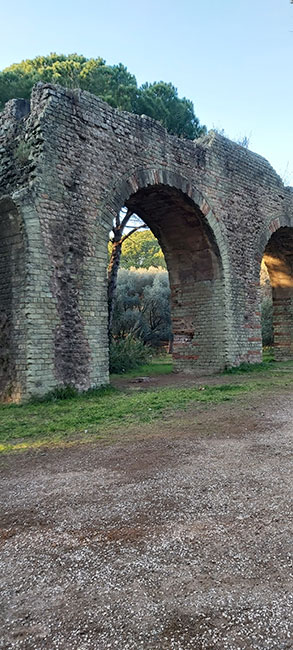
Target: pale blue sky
x: 233, y: 58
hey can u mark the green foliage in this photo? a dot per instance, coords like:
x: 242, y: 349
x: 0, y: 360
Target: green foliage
x: 248, y: 367
x: 142, y: 306
x: 267, y: 321
x: 114, y: 84
x: 127, y: 353
x: 160, y: 101
x: 64, y: 392
x: 142, y: 250
x: 22, y: 152
x: 268, y: 354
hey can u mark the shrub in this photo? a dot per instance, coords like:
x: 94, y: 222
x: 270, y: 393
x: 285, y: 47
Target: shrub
x: 127, y: 353
x: 142, y: 306
x: 22, y: 152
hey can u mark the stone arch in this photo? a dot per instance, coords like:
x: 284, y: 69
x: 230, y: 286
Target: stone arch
x: 278, y: 258
x: 12, y: 301
x: 280, y: 221
x: 270, y: 250
x: 183, y: 222
x: 142, y: 178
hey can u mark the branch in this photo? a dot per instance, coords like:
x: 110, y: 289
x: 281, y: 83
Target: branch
x: 117, y: 221
x: 129, y: 214
x: 131, y: 232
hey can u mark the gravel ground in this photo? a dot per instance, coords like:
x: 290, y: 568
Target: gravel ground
x: 180, y: 539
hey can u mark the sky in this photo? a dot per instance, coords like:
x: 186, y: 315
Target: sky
x: 232, y: 58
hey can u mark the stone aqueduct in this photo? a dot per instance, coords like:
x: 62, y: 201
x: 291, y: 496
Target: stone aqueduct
x: 68, y: 163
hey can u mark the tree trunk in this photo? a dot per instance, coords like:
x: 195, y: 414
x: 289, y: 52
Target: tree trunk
x: 170, y: 346
x: 113, y: 266
x: 112, y: 279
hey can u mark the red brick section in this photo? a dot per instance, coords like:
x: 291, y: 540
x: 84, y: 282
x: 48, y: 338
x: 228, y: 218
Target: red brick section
x: 274, y: 225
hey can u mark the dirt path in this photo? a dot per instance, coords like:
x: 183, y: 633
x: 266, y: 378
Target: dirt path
x: 178, y: 538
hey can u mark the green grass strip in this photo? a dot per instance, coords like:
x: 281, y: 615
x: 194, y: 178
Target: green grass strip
x: 98, y: 412
x: 152, y: 369
x: 99, y: 409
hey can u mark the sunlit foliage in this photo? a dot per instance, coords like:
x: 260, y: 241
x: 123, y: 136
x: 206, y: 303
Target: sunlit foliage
x: 114, y: 84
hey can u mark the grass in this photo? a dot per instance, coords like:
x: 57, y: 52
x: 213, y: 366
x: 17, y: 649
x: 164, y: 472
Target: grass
x: 162, y: 365
x: 67, y: 417
x: 268, y: 354
x: 99, y: 410
x: 266, y: 364
x: 248, y: 367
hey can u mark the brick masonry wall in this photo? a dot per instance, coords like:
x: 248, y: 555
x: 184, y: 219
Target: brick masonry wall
x: 12, y: 285
x: 68, y: 164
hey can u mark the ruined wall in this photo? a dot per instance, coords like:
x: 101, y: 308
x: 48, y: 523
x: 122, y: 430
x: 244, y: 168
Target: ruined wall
x: 69, y: 165
x: 12, y: 285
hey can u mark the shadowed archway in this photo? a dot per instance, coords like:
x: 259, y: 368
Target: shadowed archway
x: 278, y: 258
x: 195, y: 272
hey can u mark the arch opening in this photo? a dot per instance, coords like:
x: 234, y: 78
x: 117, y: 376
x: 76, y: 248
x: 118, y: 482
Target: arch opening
x: 278, y: 260
x: 195, y: 272
x: 12, y: 284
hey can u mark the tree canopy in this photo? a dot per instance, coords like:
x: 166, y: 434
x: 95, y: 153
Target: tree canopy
x: 160, y: 101
x: 142, y: 250
x: 114, y: 84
